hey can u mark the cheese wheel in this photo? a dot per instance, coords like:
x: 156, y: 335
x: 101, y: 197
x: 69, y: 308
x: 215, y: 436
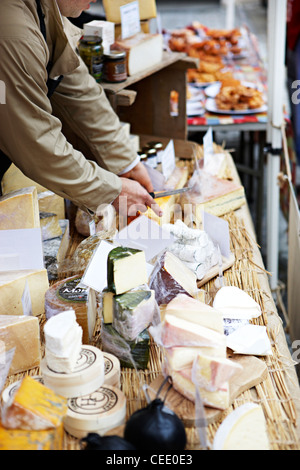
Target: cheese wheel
x: 111, y: 370
x: 98, y: 412
x: 87, y: 377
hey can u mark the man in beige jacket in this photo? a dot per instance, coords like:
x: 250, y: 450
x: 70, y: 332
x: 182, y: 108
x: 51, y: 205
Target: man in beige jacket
x: 56, y: 125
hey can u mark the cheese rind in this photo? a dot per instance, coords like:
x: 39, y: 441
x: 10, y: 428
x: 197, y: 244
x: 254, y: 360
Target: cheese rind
x: 19, y: 209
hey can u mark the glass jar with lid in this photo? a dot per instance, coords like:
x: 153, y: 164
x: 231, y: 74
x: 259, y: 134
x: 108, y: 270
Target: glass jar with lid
x: 91, y: 51
x: 115, y: 66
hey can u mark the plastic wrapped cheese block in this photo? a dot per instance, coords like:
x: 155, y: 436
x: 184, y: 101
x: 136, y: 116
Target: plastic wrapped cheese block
x: 245, y: 428
x: 21, y: 333
x: 234, y: 303
x: 69, y: 294
x: 98, y: 412
x: 88, y: 374
x: 19, y: 209
x: 126, y: 269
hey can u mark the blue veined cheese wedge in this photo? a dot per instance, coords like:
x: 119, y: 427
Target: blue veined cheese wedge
x: 126, y: 269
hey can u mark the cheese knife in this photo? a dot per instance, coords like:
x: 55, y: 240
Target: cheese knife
x: 171, y: 192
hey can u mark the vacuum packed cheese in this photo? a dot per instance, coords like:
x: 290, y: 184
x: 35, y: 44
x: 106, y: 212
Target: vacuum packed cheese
x: 69, y: 294
x: 23, y: 334
x: 19, y: 209
x: 147, y: 9
x: 12, y: 285
x: 87, y: 376
x: 98, y: 412
x: 142, y: 51
x: 63, y: 341
x: 126, y: 269
x: 34, y: 407
x: 245, y: 428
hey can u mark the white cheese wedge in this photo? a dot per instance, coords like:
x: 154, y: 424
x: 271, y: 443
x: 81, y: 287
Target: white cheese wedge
x: 19, y: 209
x: 236, y: 304
x: 179, y: 332
x: 243, y: 429
x: 250, y: 339
x: 187, y: 308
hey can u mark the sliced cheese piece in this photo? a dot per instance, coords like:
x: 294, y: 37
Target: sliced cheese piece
x: 19, y: 209
x: 69, y: 294
x: 235, y: 303
x: 190, y: 309
x: 18, y: 439
x: 87, y: 376
x: 147, y: 9
x: 50, y: 225
x: 102, y: 410
x: 179, y: 358
x: 179, y: 332
x: 48, y: 201
x: 171, y: 277
x: 63, y: 341
x: 112, y: 370
x: 13, y: 180
x: 245, y: 428
x: 215, y: 196
x: 142, y: 51
x: 12, y: 285
x: 126, y: 269
x: 212, y: 373
x: 34, y: 407
x: 23, y: 334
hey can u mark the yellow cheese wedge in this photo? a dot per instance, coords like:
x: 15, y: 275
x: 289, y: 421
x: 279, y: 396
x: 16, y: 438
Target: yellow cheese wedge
x: 14, y: 180
x: 18, y: 439
x: 147, y: 9
x: 34, y: 407
x: 23, y: 334
x: 51, y: 202
x: 50, y: 225
x: 19, y: 209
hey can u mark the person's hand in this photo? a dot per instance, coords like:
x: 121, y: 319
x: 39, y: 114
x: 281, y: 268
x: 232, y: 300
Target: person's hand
x: 140, y: 174
x: 134, y: 198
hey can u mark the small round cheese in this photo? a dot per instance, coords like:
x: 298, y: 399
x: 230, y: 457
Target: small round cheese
x: 87, y: 376
x: 98, y: 412
x: 111, y: 370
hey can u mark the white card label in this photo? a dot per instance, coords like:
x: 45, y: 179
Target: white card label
x: 168, y: 160
x: 208, y: 145
x: 26, y: 301
x: 218, y: 230
x: 130, y: 19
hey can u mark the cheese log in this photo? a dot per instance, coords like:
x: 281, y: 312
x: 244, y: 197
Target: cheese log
x: 187, y: 308
x: 147, y: 9
x: 182, y: 382
x: 18, y: 439
x: 51, y: 202
x: 142, y: 51
x: 19, y: 209
x: 126, y: 269
x: 212, y: 373
x: 216, y: 196
x: 179, y: 358
x: 63, y: 341
x: 171, y: 277
x: 12, y: 285
x: 68, y: 294
x: 168, y: 204
x: 49, y: 225
x: 34, y: 407
x: 13, y: 180
x: 23, y: 334
x: 245, y: 428
x: 133, y: 312
x: 234, y: 303
x: 179, y: 332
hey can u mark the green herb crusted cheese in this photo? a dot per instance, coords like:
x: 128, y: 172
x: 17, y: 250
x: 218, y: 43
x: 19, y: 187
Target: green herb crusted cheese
x: 126, y: 269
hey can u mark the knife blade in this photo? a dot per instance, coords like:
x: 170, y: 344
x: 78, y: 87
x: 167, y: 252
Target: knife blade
x: 171, y: 192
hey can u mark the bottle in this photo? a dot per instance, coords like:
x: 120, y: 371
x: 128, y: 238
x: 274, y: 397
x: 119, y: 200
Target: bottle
x: 91, y: 51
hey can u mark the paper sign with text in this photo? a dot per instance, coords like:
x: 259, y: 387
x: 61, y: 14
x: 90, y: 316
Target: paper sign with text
x: 130, y: 19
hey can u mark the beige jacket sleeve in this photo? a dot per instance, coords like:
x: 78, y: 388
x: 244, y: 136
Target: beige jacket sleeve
x: 32, y: 136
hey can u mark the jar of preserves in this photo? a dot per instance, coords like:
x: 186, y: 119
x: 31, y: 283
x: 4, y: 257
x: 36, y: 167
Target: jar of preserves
x: 91, y: 51
x: 115, y: 66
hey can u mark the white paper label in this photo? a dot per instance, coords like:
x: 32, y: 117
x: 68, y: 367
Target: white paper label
x: 21, y: 249
x: 130, y: 19
x: 26, y: 301
x: 218, y: 230
x: 208, y: 145
x: 168, y: 160
x: 95, y: 275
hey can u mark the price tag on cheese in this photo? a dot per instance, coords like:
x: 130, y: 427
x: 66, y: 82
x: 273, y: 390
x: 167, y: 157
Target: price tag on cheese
x: 168, y: 160
x: 218, y: 230
x: 95, y: 275
x: 130, y: 19
x: 208, y: 145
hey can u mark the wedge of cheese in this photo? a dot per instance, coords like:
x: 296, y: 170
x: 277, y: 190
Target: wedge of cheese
x: 142, y: 51
x: 50, y: 225
x: 213, y: 195
x: 19, y: 439
x: 179, y: 332
x: 19, y: 209
x: 245, y: 428
x: 51, y: 202
x: 13, y: 180
x: 235, y: 303
x: 212, y: 373
x: 190, y: 309
x: 126, y: 269
x: 147, y: 9
x: 34, y: 407
x: 179, y: 358
x: 21, y: 333
x: 12, y: 285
